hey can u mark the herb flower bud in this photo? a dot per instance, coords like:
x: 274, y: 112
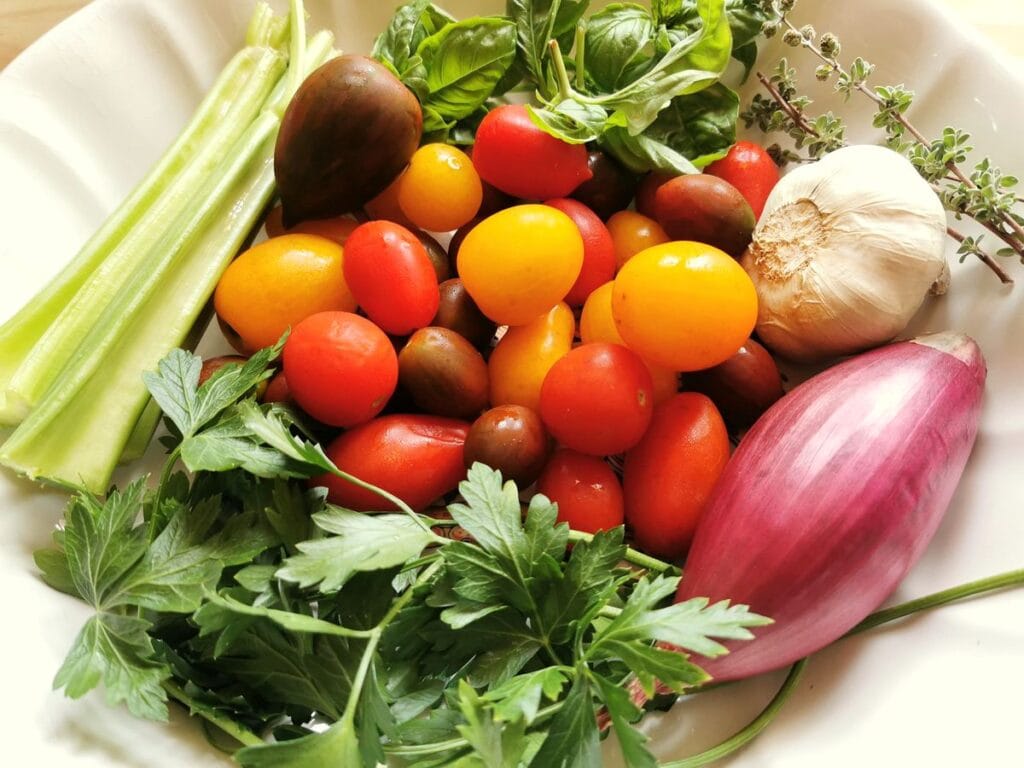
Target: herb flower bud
x: 824, y: 72
x: 830, y: 45
x: 807, y: 32
x: 786, y: 5
x: 770, y: 29
x: 792, y: 38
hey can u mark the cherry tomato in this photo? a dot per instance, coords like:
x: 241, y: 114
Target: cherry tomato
x: 598, y: 250
x: 337, y: 229
x: 598, y: 325
x: 525, y: 354
x: 511, y: 439
x: 416, y: 458
x: 277, y: 390
x: 520, y: 159
x: 751, y: 170
x: 684, y: 305
x: 437, y: 255
x: 341, y: 368
x: 669, y: 475
x: 611, y: 187
x: 633, y: 232
x: 597, y: 399
x: 391, y: 276
x: 587, y: 492
x: 444, y: 373
x: 648, y: 188
x: 456, y: 242
x: 440, y: 190
x: 520, y: 262
x: 706, y: 209
x: 278, y: 283
x: 743, y: 387
x: 458, y: 312
x: 385, y: 206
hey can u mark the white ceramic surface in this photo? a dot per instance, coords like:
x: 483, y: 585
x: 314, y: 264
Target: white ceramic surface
x: 86, y: 110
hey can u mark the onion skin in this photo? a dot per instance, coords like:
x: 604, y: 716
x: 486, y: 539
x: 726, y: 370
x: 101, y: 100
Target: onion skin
x: 834, y: 494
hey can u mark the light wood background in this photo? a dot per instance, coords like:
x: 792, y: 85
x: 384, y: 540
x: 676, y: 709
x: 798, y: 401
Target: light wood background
x: 22, y: 21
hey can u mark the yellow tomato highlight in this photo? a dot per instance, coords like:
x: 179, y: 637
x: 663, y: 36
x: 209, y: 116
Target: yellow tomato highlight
x: 520, y: 262
x: 278, y: 283
x: 684, y: 305
x: 633, y: 232
x: 525, y: 354
x: 440, y: 190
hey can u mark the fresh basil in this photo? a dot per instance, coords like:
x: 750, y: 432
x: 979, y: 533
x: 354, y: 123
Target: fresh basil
x: 700, y: 126
x: 538, y: 22
x: 617, y: 42
x: 412, y: 23
x: 640, y: 153
x: 464, y: 62
x: 570, y: 121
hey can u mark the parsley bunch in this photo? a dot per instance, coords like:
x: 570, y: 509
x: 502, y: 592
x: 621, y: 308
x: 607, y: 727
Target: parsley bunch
x: 349, y: 637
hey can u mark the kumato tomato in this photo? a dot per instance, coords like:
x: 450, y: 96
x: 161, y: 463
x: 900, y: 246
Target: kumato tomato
x: 598, y: 249
x: 337, y: 229
x: 510, y: 439
x: 648, y: 188
x: 444, y: 373
x: 668, y: 477
x: 458, y: 312
x: 278, y: 283
x: 598, y: 325
x: 416, y: 458
x: 440, y: 190
x: 751, y: 170
x: 598, y: 399
x: 743, y: 387
x: 706, y: 209
x: 520, y: 159
x: 587, y: 492
x: 611, y: 187
x: 520, y: 262
x: 633, y: 232
x: 391, y: 276
x: 341, y: 368
x: 525, y: 354
x: 684, y: 305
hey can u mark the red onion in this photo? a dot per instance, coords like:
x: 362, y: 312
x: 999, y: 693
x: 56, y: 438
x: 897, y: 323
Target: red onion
x: 834, y: 494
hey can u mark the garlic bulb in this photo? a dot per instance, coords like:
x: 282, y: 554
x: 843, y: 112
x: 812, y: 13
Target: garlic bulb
x: 845, y: 253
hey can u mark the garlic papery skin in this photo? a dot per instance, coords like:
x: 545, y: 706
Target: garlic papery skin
x: 845, y: 253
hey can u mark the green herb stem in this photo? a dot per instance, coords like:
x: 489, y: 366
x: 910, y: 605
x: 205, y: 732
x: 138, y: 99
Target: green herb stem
x: 565, y: 91
x: 581, y: 53
x: 235, y: 730
x: 633, y: 556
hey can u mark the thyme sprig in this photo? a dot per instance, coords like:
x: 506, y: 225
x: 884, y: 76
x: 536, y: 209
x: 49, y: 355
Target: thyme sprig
x: 984, y: 194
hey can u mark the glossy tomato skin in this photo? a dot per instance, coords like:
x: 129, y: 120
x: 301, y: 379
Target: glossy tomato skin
x: 669, y: 475
x: 341, y: 368
x: 750, y: 169
x: 743, y: 387
x: 444, y: 373
x: 458, y: 312
x: 517, y: 157
x: 598, y: 399
x: 611, y: 187
x: 416, y: 458
x: 598, y: 249
x: 524, y: 355
x: 391, y: 276
x: 706, y: 209
x: 632, y: 233
x: 440, y: 190
x: 511, y: 439
x: 337, y: 229
x: 648, y: 188
x: 588, y: 494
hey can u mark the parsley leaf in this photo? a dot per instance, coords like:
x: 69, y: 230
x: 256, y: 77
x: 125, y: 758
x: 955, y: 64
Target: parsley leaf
x: 572, y: 739
x: 337, y: 746
x: 623, y: 711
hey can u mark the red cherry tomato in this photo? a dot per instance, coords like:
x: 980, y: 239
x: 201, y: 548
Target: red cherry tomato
x: 587, y: 492
x: 416, y: 458
x: 751, y: 170
x: 391, y: 276
x: 277, y: 390
x: 341, y: 368
x: 520, y: 159
x: 669, y: 475
x: 598, y: 250
x: 598, y: 399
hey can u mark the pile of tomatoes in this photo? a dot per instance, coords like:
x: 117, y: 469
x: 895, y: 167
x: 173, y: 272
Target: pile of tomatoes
x: 548, y: 337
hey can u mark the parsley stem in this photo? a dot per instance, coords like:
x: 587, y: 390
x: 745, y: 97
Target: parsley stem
x: 632, y: 556
x: 165, y: 477
x: 401, y: 505
x: 235, y: 730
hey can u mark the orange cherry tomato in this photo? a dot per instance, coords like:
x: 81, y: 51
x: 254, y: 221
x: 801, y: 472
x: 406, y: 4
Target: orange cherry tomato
x: 337, y: 229
x: 684, y: 305
x: 278, y: 283
x: 520, y: 262
x: 598, y: 325
x: 668, y: 476
x: 633, y: 232
x: 385, y: 206
x: 440, y: 190
x: 526, y: 353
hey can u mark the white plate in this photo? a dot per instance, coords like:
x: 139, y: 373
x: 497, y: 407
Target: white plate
x: 87, y: 109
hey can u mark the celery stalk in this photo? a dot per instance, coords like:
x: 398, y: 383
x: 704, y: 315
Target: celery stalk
x: 42, y: 363
x: 77, y: 432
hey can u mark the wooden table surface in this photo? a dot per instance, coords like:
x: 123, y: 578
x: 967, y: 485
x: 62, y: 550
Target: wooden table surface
x: 22, y: 21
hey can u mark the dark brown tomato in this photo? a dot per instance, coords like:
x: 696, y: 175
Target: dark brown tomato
x: 437, y: 254
x: 647, y: 188
x: 743, y: 387
x: 511, y: 439
x: 456, y: 241
x: 611, y: 189
x: 232, y: 336
x: 458, y: 312
x: 444, y: 373
x: 706, y: 209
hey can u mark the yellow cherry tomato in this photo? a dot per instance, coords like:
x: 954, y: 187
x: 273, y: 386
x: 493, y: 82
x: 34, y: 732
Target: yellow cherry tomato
x: 598, y: 325
x: 520, y: 262
x: 633, y: 232
x: 525, y: 354
x: 440, y: 190
x: 277, y: 284
x: 684, y: 305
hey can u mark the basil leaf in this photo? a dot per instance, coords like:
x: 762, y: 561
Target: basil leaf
x: 464, y: 61
x: 747, y: 56
x: 411, y: 24
x: 700, y: 126
x: 640, y: 153
x: 570, y: 121
x: 667, y: 11
x: 616, y: 39
x: 746, y: 18
x: 693, y: 61
x: 537, y: 22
